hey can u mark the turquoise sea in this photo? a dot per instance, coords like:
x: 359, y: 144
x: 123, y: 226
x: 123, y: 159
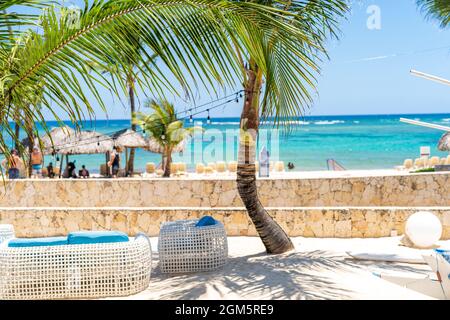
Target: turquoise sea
x: 357, y: 142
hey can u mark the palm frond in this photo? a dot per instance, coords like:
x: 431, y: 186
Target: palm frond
x: 436, y: 9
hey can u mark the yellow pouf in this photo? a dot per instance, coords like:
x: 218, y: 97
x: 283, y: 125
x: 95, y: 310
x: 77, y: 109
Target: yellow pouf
x: 150, y: 167
x: 279, y: 166
x: 209, y: 170
x: 232, y: 166
x: 199, y: 168
x: 212, y: 165
x: 220, y: 166
x: 182, y: 167
x: 408, y: 164
x: 434, y: 161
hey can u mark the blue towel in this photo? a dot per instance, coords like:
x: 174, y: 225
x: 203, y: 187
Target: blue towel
x: 206, y: 221
x: 37, y: 242
x: 89, y: 237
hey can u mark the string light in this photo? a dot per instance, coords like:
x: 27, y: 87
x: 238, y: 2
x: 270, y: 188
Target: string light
x: 163, y: 137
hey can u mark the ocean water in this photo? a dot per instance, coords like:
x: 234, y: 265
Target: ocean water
x: 356, y: 142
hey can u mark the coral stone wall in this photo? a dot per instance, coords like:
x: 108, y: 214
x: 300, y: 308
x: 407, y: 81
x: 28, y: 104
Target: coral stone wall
x: 307, y: 222
x: 407, y: 190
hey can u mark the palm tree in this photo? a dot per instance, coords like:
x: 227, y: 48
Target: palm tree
x: 165, y: 128
x: 287, y: 69
x: 436, y: 9
x: 129, y: 68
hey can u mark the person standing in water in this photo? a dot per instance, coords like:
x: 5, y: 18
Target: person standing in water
x: 36, y: 163
x: 12, y: 164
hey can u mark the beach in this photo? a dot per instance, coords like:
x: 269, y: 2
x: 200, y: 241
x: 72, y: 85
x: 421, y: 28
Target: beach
x: 317, y: 269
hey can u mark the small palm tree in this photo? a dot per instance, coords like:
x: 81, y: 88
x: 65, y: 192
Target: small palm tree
x: 164, y: 126
x: 436, y: 9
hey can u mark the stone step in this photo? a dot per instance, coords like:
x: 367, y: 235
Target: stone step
x: 323, y: 222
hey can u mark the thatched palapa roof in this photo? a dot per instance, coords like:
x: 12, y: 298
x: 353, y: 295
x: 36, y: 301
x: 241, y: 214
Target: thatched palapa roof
x: 444, y: 142
x: 127, y: 138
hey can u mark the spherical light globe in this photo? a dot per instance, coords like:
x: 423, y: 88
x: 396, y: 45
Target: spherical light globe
x: 424, y: 229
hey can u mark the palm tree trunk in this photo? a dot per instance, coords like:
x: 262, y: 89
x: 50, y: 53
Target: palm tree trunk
x: 272, y: 235
x: 133, y: 126
x: 168, y: 162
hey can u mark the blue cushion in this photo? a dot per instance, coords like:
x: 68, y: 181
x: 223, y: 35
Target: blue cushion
x: 445, y: 254
x: 206, y: 221
x: 37, y: 242
x: 89, y: 237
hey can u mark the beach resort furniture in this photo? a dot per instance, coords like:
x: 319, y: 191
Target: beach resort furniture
x: 220, y: 166
x: 271, y: 165
x: 437, y: 286
x: 425, y: 161
x: 182, y: 167
x: 199, y: 168
x: 81, y: 265
x: 434, y: 161
x: 159, y: 172
x: 6, y: 232
x: 443, y: 161
x: 279, y: 166
x: 418, y: 163
x: 150, y: 167
x: 173, y: 168
x: 408, y: 164
x: 447, y: 162
x: 212, y: 165
x: 209, y: 170
x: 192, y: 245
x: 232, y: 166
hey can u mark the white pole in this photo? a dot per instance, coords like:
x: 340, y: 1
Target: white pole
x: 430, y: 77
x: 425, y: 124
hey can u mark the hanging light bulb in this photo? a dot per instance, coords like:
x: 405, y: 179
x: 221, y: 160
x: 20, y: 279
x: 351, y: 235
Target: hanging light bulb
x: 143, y: 131
x: 190, y: 116
x: 208, y: 119
x: 163, y: 137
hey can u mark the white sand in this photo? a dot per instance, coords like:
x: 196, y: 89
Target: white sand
x: 318, y: 269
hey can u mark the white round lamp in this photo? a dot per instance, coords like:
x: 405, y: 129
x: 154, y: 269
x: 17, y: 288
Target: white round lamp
x: 424, y: 229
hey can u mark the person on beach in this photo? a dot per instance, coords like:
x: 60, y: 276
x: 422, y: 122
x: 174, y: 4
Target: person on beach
x: 114, y: 162
x: 12, y: 164
x: 36, y: 163
x: 70, y: 172
x: 50, y: 171
x: 83, y: 173
x: 291, y: 166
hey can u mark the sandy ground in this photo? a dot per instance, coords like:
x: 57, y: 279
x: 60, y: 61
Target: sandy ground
x: 317, y: 269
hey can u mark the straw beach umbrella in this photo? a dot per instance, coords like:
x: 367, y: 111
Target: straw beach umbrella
x: 444, y: 142
x: 128, y: 139
x: 50, y: 141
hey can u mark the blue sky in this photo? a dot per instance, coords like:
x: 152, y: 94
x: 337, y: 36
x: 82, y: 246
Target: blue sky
x: 352, y: 84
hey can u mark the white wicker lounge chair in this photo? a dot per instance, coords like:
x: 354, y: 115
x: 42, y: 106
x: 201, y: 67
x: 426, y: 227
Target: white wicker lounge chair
x: 75, y: 271
x: 6, y: 232
x: 185, y: 247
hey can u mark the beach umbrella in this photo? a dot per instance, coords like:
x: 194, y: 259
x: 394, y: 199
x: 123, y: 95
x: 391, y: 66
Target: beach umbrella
x: 127, y: 138
x: 85, y: 142
x: 444, y: 142
x: 154, y: 146
x: 51, y: 140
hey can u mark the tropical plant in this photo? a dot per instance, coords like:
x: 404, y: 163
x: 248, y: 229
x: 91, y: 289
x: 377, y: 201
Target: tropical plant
x: 287, y: 66
x: 130, y: 69
x: 436, y: 9
x: 165, y: 128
